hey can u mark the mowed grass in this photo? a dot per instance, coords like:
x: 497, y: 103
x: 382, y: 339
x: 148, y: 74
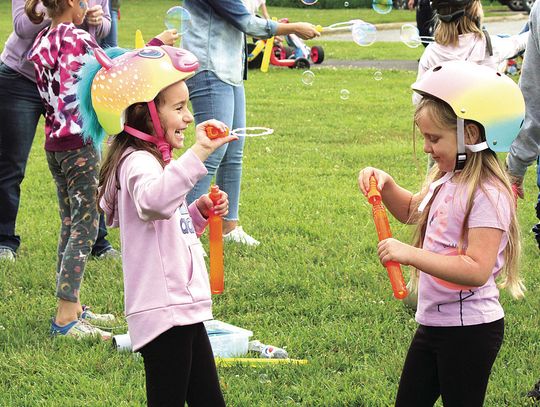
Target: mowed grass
x: 314, y: 285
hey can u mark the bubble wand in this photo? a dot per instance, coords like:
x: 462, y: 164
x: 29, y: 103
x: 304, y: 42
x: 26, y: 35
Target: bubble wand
x: 216, y: 245
x: 383, y: 231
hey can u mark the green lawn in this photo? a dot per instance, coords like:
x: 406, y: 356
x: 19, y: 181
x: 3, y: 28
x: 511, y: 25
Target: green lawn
x: 314, y: 285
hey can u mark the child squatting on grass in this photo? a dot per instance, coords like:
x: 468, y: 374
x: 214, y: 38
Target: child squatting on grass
x: 141, y: 97
x: 57, y: 53
x: 467, y: 232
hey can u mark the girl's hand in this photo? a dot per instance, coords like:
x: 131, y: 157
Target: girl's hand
x: 394, y: 250
x: 204, y: 146
x: 168, y: 37
x: 364, y: 176
x: 94, y: 15
x: 204, y: 204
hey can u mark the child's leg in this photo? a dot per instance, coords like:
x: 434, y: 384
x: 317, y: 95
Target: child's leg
x: 168, y: 363
x: 63, y: 208
x: 203, y: 387
x: 419, y: 384
x: 464, y: 362
x: 79, y: 168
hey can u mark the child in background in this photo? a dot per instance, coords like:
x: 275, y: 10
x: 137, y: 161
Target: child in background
x: 467, y: 232
x: 57, y: 53
x: 143, y: 191
x: 459, y: 36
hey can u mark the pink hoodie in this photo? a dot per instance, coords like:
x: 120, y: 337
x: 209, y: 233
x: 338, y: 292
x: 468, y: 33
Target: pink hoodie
x: 165, y: 278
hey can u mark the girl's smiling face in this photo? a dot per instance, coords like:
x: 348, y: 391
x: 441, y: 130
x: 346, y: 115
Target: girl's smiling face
x: 174, y: 113
x: 440, y: 142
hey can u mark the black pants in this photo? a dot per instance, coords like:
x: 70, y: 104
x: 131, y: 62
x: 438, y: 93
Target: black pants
x: 425, y: 20
x: 180, y: 367
x: 451, y: 362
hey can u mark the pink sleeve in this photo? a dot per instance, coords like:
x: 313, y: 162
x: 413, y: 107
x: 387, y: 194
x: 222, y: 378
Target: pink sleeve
x: 199, y: 221
x: 158, y: 192
x: 491, y: 209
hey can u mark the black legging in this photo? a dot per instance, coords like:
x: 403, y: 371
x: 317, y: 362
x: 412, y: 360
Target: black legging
x: 180, y: 367
x: 451, y: 362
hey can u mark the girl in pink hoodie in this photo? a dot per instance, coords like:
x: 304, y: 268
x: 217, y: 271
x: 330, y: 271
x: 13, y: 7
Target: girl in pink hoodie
x: 142, y: 99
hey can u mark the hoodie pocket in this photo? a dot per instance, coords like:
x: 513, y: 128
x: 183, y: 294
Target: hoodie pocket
x: 199, y: 284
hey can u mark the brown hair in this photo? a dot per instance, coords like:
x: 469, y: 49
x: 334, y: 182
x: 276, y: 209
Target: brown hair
x: 54, y: 9
x: 138, y: 117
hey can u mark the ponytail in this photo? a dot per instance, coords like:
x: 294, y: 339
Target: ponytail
x: 30, y: 10
x: 54, y: 8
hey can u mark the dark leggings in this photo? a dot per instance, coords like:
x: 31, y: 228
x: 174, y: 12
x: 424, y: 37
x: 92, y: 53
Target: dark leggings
x: 451, y: 362
x: 180, y: 367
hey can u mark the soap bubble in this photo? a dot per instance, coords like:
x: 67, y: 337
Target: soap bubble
x: 177, y: 18
x: 308, y: 77
x: 309, y: 2
x: 382, y: 6
x: 344, y: 94
x: 364, y: 34
x: 410, y: 35
x: 346, y: 4
x: 377, y: 75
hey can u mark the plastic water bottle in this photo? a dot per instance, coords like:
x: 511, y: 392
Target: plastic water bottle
x: 267, y: 351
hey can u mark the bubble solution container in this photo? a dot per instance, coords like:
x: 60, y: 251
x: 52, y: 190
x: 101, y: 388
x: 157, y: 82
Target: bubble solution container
x: 227, y: 340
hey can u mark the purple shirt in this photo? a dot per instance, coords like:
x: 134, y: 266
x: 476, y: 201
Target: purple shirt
x: 24, y: 33
x: 441, y: 303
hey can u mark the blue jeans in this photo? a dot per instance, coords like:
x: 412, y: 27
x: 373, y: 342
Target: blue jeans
x: 111, y: 40
x: 212, y: 98
x: 20, y: 109
x: 536, y: 229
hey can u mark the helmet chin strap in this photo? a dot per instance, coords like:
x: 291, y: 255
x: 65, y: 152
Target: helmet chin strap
x: 159, y: 140
x: 461, y: 159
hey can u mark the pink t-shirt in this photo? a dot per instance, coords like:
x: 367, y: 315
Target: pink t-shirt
x: 441, y: 303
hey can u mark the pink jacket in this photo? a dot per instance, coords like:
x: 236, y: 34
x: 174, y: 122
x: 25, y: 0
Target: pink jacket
x: 165, y: 278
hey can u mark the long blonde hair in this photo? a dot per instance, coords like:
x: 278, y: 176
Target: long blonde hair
x: 54, y: 9
x: 470, y: 22
x: 480, y: 168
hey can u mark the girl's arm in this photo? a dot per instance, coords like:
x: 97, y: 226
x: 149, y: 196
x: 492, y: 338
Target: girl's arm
x: 158, y: 192
x: 22, y: 26
x: 236, y: 13
x: 397, y: 199
x: 470, y: 269
x: 508, y: 47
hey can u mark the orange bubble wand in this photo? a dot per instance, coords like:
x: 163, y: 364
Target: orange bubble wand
x: 213, y: 132
x: 216, y: 245
x: 383, y: 231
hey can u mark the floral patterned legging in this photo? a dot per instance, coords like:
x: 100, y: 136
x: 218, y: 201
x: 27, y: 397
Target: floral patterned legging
x: 75, y: 173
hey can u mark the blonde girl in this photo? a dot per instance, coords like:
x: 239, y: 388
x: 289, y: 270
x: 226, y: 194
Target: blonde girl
x: 467, y: 233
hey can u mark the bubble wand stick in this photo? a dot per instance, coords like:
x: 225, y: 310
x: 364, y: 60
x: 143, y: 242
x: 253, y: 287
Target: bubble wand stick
x: 216, y: 245
x: 383, y: 231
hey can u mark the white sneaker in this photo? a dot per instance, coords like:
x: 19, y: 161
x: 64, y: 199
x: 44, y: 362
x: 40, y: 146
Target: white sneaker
x: 239, y: 236
x: 7, y: 254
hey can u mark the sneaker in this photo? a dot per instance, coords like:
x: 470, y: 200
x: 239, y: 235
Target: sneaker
x: 109, y: 253
x: 79, y: 329
x: 239, y: 236
x: 92, y: 317
x: 535, y: 392
x: 7, y: 254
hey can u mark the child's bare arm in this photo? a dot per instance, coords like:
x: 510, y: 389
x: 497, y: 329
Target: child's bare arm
x: 470, y: 269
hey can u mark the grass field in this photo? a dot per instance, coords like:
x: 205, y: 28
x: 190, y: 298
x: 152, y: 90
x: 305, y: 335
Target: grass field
x: 314, y: 285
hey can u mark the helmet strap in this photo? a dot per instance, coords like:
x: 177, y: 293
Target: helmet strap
x: 159, y: 140
x: 461, y: 156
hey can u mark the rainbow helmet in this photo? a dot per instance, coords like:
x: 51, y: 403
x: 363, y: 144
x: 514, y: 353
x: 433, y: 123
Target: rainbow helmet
x: 135, y: 77
x: 479, y: 93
